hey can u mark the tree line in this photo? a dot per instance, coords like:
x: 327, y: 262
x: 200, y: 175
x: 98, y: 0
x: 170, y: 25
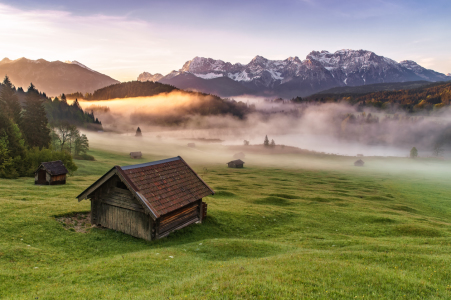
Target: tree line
x: 125, y: 90
x: 58, y: 110
x: 423, y: 99
x: 26, y: 137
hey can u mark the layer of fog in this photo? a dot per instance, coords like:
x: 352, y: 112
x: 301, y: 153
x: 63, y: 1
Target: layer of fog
x: 309, y: 126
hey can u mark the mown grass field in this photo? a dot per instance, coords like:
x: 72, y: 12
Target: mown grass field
x: 271, y: 233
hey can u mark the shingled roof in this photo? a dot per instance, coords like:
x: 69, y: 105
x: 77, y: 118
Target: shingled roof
x: 54, y: 167
x: 163, y: 186
x: 237, y: 161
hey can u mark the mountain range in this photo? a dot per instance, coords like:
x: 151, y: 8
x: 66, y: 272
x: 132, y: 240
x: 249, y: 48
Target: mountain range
x: 53, y: 78
x: 293, y: 77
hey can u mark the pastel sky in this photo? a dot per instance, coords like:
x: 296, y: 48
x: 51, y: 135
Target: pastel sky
x: 124, y: 38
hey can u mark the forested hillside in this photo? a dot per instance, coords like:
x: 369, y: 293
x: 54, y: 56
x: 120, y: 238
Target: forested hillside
x: 126, y: 90
x: 38, y: 129
x: 195, y: 104
x: 422, y: 99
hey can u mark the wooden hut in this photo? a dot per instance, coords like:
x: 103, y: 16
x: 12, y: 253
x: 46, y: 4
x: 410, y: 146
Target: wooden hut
x: 235, y: 163
x: 149, y: 200
x: 239, y: 155
x: 359, y: 163
x: 136, y: 155
x: 51, y: 173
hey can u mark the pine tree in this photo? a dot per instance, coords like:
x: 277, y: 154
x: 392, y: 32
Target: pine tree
x: 273, y: 144
x: 12, y: 149
x: 413, y: 152
x: 266, y: 142
x: 81, y: 145
x: 34, y: 120
x: 138, y: 132
x: 9, y: 103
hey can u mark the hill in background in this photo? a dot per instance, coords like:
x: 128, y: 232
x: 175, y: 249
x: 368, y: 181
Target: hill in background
x: 53, y: 78
x: 412, y: 97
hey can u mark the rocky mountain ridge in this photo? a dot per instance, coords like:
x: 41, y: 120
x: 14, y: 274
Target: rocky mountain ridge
x: 293, y: 76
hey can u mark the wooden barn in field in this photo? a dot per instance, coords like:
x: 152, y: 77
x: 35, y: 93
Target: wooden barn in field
x: 136, y: 155
x: 359, y: 163
x: 149, y: 200
x: 236, y: 163
x: 50, y: 173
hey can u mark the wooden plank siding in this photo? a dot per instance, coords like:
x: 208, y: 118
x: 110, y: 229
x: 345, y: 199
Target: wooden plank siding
x: 117, y: 209
x: 122, y: 198
x: 130, y: 222
x: 173, y: 220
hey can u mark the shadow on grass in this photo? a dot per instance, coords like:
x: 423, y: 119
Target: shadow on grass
x: 272, y: 200
x: 285, y: 196
x: 223, y: 250
x: 416, y: 231
x: 219, y: 194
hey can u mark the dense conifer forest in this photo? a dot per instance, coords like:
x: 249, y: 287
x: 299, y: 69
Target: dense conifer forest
x: 35, y: 129
x: 126, y: 90
x: 202, y: 104
x: 423, y: 99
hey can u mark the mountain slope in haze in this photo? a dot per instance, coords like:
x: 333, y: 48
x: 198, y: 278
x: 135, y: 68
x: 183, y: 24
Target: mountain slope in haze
x: 223, y: 86
x: 53, y: 78
x: 146, y: 76
x: 294, y: 77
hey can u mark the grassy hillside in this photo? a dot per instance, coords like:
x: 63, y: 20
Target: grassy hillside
x: 282, y: 230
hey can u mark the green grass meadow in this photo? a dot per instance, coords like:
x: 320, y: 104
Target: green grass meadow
x: 272, y: 232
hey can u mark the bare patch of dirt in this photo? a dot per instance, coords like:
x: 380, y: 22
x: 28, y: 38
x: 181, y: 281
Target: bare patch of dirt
x: 78, y: 222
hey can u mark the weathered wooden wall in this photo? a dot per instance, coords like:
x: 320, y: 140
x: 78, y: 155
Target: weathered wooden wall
x: 58, y: 179
x: 233, y: 165
x: 117, y: 209
x: 42, y: 177
x: 179, y: 218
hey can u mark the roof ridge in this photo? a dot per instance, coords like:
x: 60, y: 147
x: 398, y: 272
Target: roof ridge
x: 152, y: 163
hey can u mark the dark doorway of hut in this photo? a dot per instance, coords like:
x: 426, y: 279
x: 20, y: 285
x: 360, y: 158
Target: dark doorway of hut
x: 42, y: 177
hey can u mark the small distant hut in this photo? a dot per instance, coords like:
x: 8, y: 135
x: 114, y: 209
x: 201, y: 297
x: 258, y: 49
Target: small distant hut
x: 136, y: 155
x: 149, y: 200
x: 359, y: 155
x: 239, y: 155
x: 359, y: 163
x: 51, y: 173
x: 138, y: 132
x: 235, y: 163
x: 191, y: 145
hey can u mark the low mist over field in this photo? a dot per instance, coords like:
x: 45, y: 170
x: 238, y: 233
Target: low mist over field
x: 336, y: 128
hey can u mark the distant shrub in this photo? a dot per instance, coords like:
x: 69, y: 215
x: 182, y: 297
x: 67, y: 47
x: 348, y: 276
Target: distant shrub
x: 84, y: 156
x: 35, y: 157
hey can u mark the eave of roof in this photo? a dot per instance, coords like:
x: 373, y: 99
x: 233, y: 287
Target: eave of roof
x: 152, y: 163
x: 54, y: 168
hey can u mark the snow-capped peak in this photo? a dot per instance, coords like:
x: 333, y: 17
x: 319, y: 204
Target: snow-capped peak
x: 5, y: 60
x: 74, y: 62
x: 320, y: 68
